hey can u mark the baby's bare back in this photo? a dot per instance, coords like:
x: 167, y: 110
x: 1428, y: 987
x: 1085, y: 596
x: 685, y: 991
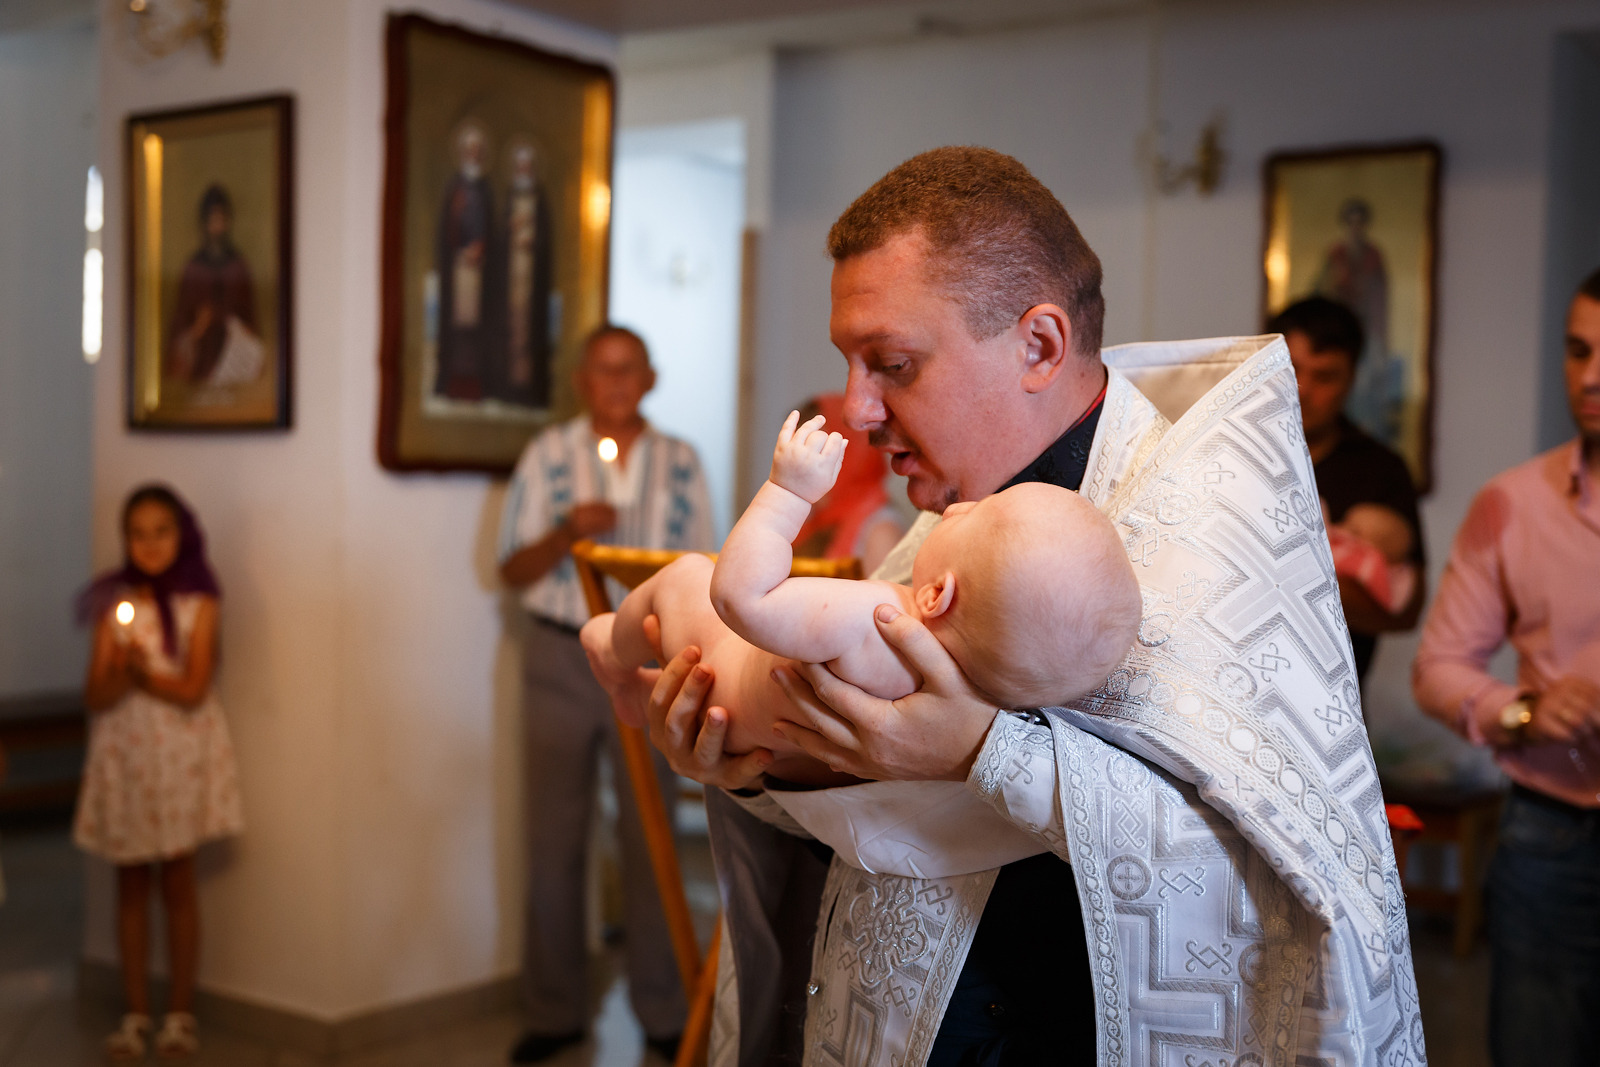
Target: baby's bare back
x: 742, y: 673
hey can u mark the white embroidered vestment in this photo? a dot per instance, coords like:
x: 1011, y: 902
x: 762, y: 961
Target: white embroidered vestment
x: 1217, y: 797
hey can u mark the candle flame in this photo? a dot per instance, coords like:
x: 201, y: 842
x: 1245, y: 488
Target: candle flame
x: 124, y: 613
x: 608, y: 450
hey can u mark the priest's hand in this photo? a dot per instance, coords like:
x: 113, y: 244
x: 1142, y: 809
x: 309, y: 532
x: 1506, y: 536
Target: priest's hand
x: 690, y: 734
x: 933, y: 734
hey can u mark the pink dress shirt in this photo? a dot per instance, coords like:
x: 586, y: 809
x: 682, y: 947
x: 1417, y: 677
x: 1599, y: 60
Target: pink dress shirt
x: 1525, y: 567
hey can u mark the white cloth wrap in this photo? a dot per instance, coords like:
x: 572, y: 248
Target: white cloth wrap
x: 918, y: 829
x: 1217, y: 797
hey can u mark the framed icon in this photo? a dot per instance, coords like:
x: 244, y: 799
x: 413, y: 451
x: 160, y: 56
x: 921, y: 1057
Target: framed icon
x: 1360, y: 225
x: 496, y: 220
x: 211, y: 266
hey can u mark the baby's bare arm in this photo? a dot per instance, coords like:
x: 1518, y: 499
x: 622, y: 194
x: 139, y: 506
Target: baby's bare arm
x: 809, y: 619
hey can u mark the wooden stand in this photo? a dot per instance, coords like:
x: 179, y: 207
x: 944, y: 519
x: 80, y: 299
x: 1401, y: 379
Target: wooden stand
x: 631, y: 566
x: 1466, y: 819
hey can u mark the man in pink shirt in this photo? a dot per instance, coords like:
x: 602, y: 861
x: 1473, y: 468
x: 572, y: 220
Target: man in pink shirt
x: 1526, y: 568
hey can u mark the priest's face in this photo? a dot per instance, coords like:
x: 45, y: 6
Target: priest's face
x: 1582, y: 366
x: 943, y: 404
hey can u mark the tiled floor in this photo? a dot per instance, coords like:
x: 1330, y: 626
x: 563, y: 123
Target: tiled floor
x: 43, y: 1023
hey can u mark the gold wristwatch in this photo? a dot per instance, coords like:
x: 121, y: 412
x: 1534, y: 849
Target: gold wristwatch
x: 1515, y: 716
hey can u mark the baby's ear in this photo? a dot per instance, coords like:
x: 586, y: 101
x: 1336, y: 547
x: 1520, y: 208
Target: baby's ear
x: 933, y: 598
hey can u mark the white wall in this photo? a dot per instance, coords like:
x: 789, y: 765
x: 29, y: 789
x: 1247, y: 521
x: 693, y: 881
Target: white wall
x: 47, y: 128
x: 1572, y: 222
x: 739, y: 88
x: 364, y: 671
x: 677, y: 216
x: 1072, y: 101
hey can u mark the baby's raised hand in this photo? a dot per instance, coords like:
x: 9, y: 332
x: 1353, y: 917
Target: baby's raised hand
x: 807, y: 459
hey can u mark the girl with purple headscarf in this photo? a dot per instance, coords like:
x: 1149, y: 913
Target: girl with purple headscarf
x: 159, y: 778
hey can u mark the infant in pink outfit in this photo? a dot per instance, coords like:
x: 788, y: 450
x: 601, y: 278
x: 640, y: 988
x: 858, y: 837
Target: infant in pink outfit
x: 1372, y: 545
x: 1030, y: 591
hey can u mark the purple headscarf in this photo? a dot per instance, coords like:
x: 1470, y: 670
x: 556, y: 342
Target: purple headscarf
x: 190, y: 572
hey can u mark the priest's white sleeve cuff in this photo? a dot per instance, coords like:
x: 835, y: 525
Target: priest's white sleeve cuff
x: 1016, y: 772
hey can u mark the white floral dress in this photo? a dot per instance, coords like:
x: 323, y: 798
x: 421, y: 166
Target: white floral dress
x: 159, y: 779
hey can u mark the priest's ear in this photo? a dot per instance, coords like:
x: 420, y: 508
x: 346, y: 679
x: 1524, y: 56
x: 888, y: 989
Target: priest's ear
x: 1046, y: 336
x: 934, y: 598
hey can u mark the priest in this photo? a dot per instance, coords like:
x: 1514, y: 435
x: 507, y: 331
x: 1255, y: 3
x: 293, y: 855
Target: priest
x: 1213, y: 878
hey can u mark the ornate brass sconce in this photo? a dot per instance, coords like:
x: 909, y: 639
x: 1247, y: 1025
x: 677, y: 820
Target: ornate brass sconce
x: 163, y: 26
x: 1204, y: 170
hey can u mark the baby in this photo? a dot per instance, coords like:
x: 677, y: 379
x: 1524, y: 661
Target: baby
x: 1030, y: 590
x: 1372, y: 545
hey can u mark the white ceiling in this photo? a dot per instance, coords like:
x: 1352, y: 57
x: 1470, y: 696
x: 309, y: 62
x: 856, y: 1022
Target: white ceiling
x: 645, y: 16
x: 666, y: 32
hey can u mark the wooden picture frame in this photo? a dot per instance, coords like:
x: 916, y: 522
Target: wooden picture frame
x: 210, y: 268
x: 1360, y: 224
x: 496, y: 225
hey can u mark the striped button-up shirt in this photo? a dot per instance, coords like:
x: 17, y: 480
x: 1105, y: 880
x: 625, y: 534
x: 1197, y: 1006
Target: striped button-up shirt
x: 667, y: 504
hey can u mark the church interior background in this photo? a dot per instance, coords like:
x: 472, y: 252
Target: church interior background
x: 371, y: 913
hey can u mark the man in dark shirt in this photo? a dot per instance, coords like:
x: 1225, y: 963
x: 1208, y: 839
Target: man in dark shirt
x: 1325, y: 341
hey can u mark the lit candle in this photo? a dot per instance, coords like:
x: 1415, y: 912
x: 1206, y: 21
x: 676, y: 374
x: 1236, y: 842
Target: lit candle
x: 610, y: 484
x: 124, y: 617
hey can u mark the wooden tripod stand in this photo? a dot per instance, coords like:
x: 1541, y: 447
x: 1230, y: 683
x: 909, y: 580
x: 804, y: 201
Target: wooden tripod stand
x: 630, y: 567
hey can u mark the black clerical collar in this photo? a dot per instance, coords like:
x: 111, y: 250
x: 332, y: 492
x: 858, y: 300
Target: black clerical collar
x: 1065, y: 462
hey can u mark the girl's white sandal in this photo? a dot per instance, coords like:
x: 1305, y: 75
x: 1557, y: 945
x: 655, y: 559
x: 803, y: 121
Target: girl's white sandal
x: 179, y: 1036
x: 127, y: 1041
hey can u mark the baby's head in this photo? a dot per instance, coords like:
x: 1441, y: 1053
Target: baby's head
x: 1031, y: 592
x: 1380, y: 526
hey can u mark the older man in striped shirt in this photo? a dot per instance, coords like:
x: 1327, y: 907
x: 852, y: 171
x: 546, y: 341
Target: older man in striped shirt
x: 651, y: 493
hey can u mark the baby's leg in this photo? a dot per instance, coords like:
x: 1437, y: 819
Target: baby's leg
x: 662, y: 595
x: 616, y: 643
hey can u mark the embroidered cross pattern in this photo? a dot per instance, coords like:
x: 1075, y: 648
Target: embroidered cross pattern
x: 1020, y: 770
x: 1191, y: 587
x: 1270, y: 662
x: 1145, y: 554
x: 1284, y: 585
x: 1334, y: 715
x: 1281, y: 517
x: 1129, y: 877
x: 1237, y: 682
x: 887, y: 933
x: 1182, y: 882
x: 1128, y: 824
x: 1208, y: 957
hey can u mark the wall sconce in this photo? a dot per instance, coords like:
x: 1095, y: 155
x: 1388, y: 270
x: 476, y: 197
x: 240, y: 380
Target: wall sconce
x: 1204, y: 170
x: 163, y: 26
